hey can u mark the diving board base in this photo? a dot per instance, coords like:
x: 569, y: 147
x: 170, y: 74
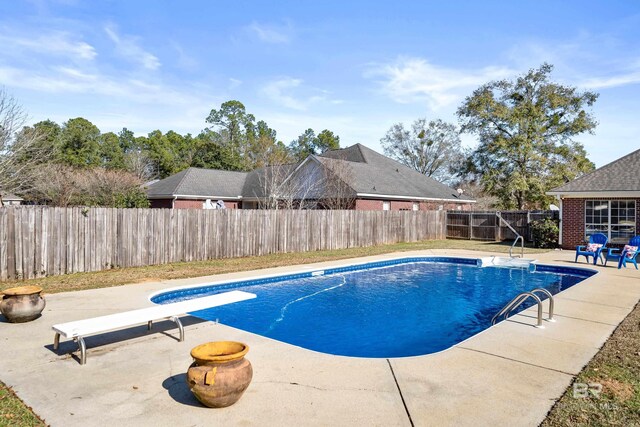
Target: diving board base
x: 78, y: 330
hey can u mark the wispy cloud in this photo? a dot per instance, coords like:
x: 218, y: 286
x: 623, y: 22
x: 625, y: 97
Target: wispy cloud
x: 276, y: 34
x: 183, y: 59
x: 278, y: 91
x: 289, y: 92
x: 411, y: 80
x: 622, y: 79
x: 54, y: 43
x: 69, y: 80
x: 588, y: 60
x: 128, y: 47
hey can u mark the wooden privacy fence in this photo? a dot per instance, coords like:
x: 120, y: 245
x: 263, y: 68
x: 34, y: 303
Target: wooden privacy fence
x: 43, y: 241
x: 486, y: 225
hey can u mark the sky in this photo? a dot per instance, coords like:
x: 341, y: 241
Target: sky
x: 353, y: 67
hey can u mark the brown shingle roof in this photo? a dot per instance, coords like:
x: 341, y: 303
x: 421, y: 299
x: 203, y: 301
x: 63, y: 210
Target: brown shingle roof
x: 620, y: 175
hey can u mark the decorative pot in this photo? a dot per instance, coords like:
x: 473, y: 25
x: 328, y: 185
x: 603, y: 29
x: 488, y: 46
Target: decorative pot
x: 220, y: 373
x: 22, y: 304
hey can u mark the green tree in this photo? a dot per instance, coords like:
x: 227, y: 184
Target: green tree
x: 309, y: 143
x: 79, y: 143
x: 432, y: 148
x: 326, y: 140
x: 234, y: 130
x: 161, y: 154
x: 209, y: 153
x: 111, y: 152
x: 525, y: 129
x: 304, y: 145
x: 127, y: 141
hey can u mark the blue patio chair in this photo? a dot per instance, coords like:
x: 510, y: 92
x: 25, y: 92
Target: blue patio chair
x: 587, y: 251
x: 626, y: 255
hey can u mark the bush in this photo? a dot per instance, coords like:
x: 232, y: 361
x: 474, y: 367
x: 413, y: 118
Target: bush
x: 61, y: 185
x: 545, y: 233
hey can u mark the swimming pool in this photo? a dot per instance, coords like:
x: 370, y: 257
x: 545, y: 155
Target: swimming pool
x: 402, y: 307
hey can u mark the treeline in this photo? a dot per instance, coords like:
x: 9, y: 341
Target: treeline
x: 76, y: 164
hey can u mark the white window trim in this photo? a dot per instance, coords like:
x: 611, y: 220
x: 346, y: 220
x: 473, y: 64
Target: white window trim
x: 609, y: 225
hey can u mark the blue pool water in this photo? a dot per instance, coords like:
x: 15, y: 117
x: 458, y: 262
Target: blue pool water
x: 396, y: 308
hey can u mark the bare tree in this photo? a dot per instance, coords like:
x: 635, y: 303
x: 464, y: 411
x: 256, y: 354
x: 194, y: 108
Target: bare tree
x: 285, y: 187
x: 337, y: 193
x: 139, y: 164
x: 317, y: 182
x: 20, y: 151
x: 291, y: 186
x: 57, y: 185
x: 432, y: 148
x: 270, y: 180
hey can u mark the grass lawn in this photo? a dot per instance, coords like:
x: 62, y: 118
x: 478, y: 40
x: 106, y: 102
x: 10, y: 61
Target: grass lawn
x: 616, y: 366
x: 15, y: 413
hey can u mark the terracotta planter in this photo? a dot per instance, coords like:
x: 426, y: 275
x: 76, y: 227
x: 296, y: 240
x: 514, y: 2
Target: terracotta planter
x: 22, y: 304
x: 220, y: 373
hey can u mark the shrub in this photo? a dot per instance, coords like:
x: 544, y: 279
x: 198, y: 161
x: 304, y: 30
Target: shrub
x: 545, y: 233
x: 61, y: 185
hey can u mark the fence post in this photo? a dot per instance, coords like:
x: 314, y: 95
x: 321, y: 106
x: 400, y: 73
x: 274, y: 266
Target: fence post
x: 470, y: 225
x: 11, y: 244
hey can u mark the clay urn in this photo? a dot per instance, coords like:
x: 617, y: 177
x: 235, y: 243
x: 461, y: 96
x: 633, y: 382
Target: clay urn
x: 22, y: 304
x: 220, y: 373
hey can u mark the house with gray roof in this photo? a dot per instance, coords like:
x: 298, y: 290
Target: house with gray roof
x: 198, y: 188
x: 355, y: 177
x: 606, y: 200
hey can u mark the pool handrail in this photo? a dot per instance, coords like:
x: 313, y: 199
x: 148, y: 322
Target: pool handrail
x: 515, y: 302
x: 551, y: 302
x: 518, y: 236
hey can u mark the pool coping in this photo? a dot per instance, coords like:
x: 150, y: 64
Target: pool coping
x: 210, y: 288
x: 511, y: 372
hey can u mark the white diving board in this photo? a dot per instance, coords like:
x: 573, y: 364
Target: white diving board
x: 79, y: 329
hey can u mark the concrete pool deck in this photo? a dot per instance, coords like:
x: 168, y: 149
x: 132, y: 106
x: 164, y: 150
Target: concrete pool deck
x: 510, y: 374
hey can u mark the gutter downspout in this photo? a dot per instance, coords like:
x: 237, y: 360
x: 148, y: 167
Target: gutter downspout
x: 560, y: 228
x: 173, y: 202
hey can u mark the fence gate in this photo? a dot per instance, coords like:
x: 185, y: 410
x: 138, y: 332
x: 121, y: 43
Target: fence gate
x: 485, y: 225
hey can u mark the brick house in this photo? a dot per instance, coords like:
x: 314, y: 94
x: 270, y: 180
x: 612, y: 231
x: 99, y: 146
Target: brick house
x: 355, y: 177
x: 605, y: 201
x: 196, y: 188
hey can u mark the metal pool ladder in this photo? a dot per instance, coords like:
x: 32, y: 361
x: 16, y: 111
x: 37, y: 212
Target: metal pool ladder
x: 522, y: 297
x: 518, y: 236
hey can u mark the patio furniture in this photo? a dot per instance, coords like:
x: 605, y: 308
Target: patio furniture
x: 597, y: 243
x: 81, y: 328
x: 628, y: 254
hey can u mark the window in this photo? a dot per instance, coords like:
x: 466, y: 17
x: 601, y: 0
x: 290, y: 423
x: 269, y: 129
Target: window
x: 386, y: 206
x: 614, y: 218
x: 416, y: 206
